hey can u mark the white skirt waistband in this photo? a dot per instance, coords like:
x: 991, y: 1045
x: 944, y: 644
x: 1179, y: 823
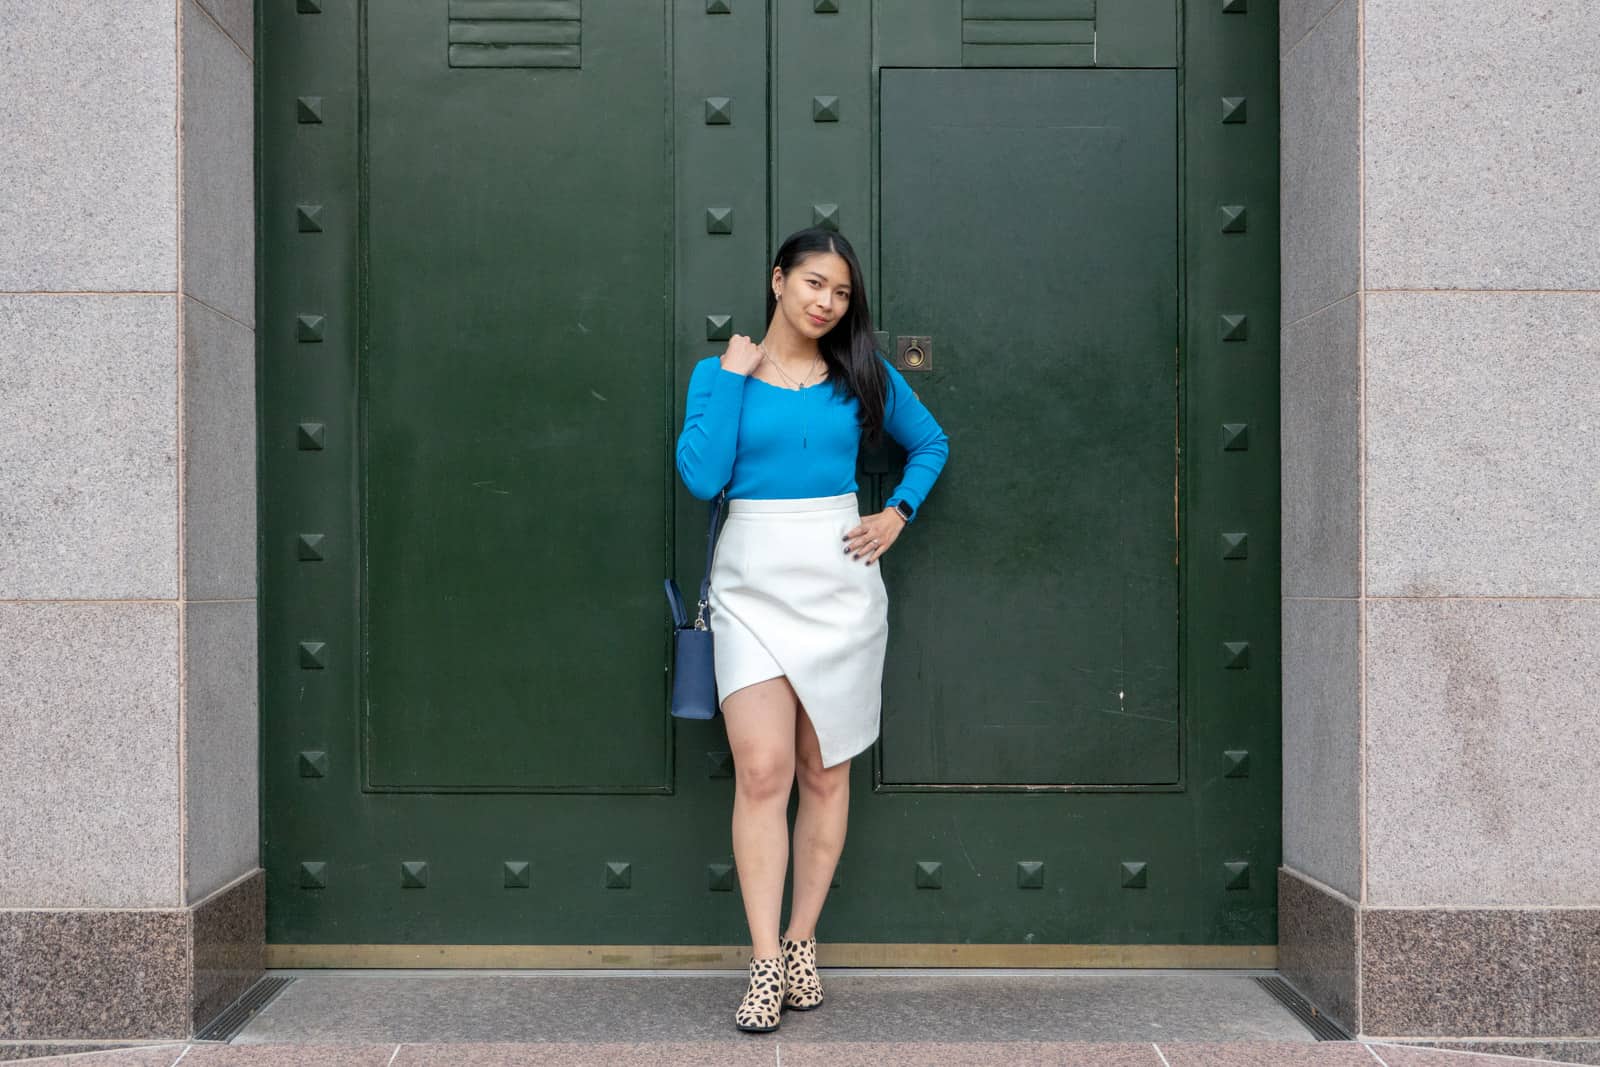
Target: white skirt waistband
x: 792, y: 506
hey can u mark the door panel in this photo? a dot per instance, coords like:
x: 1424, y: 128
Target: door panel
x: 1034, y: 621
x: 496, y: 236
x: 513, y: 393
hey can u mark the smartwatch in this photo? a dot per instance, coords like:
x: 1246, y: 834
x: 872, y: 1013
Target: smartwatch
x: 903, y: 509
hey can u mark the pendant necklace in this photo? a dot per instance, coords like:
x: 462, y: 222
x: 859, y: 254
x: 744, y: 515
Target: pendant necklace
x: 799, y: 386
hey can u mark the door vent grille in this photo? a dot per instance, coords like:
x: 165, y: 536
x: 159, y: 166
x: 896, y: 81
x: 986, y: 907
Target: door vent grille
x: 516, y: 33
x: 1028, y: 33
x: 1319, y: 1024
x: 225, y: 1026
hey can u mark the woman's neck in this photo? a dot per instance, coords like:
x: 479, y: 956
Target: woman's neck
x: 787, y: 347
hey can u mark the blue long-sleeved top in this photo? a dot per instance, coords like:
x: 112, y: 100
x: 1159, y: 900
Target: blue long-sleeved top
x: 765, y: 442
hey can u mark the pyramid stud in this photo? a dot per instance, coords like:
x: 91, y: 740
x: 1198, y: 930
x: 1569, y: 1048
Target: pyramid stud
x: 719, y: 877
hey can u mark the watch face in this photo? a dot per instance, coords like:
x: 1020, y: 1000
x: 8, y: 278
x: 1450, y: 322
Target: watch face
x: 904, y: 509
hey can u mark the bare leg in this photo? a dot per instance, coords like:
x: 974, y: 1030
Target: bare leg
x: 760, y: 724
x: 819, y: 828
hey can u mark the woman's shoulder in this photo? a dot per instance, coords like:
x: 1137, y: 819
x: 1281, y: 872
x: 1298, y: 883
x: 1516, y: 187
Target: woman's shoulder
x: 704, y: 372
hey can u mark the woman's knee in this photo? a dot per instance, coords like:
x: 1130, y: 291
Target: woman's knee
x: 765, y: 774
x: 823, y: 783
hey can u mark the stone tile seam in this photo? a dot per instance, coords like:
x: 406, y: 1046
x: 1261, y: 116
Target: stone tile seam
x: 1466, y: 908
x: 202, y: 301
x: 1458, y: 290
x: 962, y: 973
x: 1370, y: 1045
x: 1405, y: 1040
x: 227, y: 887
x: 1321, y: 887
x: 223, y: 30
x: 123, y: 1047
x: 98, y: 911
x: 1537, y: 597
x: 1314, y: 312
x: 1365, y: 909
x: 126, y: 600
x: 1476, y: 1056
x: 1448, y: 291
x: 180, y: 353
x: 208, y: 305
x: 89, y: 292
x: 1313, y: 28
x: 1361, y: 501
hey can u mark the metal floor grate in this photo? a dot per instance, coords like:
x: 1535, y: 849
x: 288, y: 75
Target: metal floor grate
x: 241, y: 1011
x: 1319, y: 1024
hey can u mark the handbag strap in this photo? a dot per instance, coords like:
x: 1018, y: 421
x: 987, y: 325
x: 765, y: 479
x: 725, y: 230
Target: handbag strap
x: 711, y: 544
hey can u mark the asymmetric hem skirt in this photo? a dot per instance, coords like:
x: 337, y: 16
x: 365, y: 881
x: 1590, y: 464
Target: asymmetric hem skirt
x: 786, y: 600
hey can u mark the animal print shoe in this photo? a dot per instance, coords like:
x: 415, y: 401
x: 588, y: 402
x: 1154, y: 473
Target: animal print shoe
x: 804, y: 988
x: 763, y: 1001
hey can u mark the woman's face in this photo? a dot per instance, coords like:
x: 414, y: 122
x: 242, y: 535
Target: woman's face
x: 814, y: 294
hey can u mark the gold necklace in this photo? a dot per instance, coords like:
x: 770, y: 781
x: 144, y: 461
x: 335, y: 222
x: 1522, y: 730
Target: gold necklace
x: 805, y: 424
x: 815, y: 360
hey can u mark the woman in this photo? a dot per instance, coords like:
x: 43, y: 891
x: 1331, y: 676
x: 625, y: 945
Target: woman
x: 799, y: 611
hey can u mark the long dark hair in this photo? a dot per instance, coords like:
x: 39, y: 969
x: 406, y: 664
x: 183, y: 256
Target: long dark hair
x: 849, y: 350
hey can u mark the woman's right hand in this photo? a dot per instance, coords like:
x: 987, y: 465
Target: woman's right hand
x: 743, y: 355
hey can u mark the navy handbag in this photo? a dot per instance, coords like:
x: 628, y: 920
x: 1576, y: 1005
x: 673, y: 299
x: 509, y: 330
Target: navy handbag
x: 694, y: 679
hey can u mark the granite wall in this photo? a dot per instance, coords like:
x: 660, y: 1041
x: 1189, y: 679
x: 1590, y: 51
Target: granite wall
x: 1441, y: 570
x: 130, y: 891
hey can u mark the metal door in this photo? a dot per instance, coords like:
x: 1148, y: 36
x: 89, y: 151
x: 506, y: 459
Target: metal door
x: 496, y: 234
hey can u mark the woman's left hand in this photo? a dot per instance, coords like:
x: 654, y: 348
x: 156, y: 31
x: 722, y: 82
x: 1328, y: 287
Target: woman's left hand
x: 874, y: 535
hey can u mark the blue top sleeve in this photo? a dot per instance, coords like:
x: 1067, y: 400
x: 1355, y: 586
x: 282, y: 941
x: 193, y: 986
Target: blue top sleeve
x: 927, y: 445
x: 710, y: 435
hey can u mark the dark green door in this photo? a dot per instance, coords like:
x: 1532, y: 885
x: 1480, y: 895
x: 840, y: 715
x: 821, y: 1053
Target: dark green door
x: 496, y: 235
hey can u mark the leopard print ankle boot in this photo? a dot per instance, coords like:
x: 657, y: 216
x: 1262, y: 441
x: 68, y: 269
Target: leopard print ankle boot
x: 763, y: 1001
x: 804, y: 988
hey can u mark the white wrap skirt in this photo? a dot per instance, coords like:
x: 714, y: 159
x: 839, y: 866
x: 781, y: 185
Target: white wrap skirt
x: 787, y: 600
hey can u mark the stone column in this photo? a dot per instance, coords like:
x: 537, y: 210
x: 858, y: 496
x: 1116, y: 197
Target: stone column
x: 1441, y: 506
x: 130, y: 891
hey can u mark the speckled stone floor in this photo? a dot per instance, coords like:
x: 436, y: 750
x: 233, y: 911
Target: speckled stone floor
x: 769, y: 1049
x: 871, y: 1018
